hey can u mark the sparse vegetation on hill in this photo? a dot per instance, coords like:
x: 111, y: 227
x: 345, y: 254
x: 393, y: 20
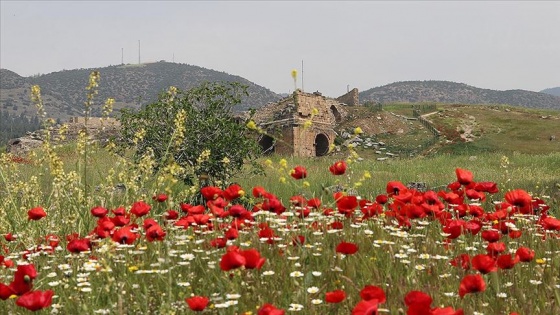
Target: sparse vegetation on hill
x: 456, y: 93
x: 552, y: 91
x: 130, y: 85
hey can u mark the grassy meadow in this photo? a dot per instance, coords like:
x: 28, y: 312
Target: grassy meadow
x: 117, y: 239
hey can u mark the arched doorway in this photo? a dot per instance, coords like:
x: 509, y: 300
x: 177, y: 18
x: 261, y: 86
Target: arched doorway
x: 267, y: 144
x: 321, y: 145
x: 336, y: 114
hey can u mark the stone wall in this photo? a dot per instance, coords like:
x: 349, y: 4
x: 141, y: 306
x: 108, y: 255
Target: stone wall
x: 98, y: 129
x: 288, y: 122
x: 351, y: 98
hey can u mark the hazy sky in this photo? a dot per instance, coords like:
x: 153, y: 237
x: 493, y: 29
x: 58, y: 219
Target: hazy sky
x: 497, y: 45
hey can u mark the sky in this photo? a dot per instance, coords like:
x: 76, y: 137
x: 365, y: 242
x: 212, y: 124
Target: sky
x: 499, y: 45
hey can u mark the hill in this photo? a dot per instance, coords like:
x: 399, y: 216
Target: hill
x: 130, y: 85
x: 552, y: 91
x: 456, y: 93
x: 463, y: 129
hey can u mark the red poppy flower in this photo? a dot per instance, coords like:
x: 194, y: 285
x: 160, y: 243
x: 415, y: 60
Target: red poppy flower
x: 297, y: 200
x: 99, y: 211
x: 471, y: 284
x: 473, y: 226
x: 36, y: 300
x: 155, y: 233
x: 381, y: 199
x: 454, y: 186
x: 507, y: 261
x: 52, y: 240
x: 464, y: 177
x: 258, y: 191
x: 170, y: 215
x: 298, y: 172
x: 160, y: 197
x: 417, y: 298
x: 232, y: 260
x: 484, y: 263
x: 140, y: 208
x: 525, y: 254
x: 23, y: 279
x: 253, y: 259
x: 550, y: 224
x: 119, y: 211
x: 371, y: 210
x: 79, y: 245
x: 36, y: 213
x: 124, y: 235
x: 372, y: 292
x: 197, y: 303
x: 338, y: 168
x: 520, y: 199
x: 475, y: 195
x: 462, y: 261
x: 234, y: 191
x: 298, y: 240
x: 491, y: 235
x: 269, y: 309
x: 366, y: 307
x: 237, y: 210
x: 454, y: 228
x: 489, y: 187
x: 495, y: 248
x: 10, y: 237
x: 120, y: 220
x: 394, y: 188
x: 347, y: 204
x: 211, y: 192
x: 231, y: 234
x: 314, y: 203
x: 6, y: 291
x: 346, y: 248
x: 273, y: 205
x: 335, y: 296
x: 219, y: 242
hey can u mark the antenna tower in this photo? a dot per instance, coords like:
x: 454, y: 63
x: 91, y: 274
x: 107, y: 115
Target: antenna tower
x: 138, y: 51
x: 302, y: 75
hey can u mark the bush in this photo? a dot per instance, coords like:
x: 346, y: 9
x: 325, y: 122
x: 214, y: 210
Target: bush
x: 194, y: 129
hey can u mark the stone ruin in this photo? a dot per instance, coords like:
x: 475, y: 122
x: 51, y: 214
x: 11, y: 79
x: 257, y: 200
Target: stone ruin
x: 99, y: 129
x: 291, y: 127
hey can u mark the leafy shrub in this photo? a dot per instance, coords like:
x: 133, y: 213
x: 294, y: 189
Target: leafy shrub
x: 194, y: 129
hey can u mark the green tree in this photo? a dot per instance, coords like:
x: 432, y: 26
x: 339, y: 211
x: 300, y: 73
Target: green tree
x: 195, y: 129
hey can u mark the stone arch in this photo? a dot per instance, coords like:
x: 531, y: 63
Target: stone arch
x: 267, y: 144
x: 321, y: 144
x: 336, y: 114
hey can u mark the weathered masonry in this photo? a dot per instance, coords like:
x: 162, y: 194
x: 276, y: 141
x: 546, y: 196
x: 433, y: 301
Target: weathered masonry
x: 303, y: 123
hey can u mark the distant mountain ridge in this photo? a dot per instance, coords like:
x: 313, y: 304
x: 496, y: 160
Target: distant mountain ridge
x: 130, y: 85
x: 456, y: 93
x: 552, y: 91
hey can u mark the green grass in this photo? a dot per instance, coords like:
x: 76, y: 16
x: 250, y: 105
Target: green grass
x: 184, y: 263
x: 500, y: 128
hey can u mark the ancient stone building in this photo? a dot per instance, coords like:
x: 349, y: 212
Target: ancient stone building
x: 99, y: 129
x: 303, y: 123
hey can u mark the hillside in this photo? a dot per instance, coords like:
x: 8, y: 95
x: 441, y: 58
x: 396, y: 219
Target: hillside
x: 130, y: 85
x: 552, y: 91
x: 456, y: 93
x: 464, y: 129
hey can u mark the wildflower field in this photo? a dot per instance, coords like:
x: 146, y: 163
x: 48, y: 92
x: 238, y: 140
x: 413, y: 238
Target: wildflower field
x: 86, y: 231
